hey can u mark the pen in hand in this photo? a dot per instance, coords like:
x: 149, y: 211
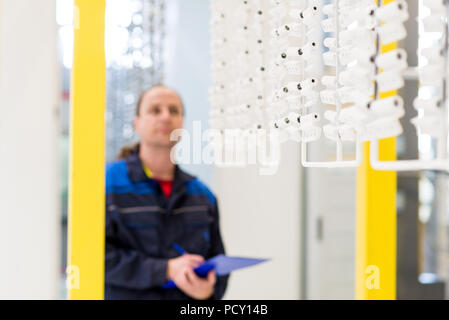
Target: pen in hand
x: 175, y: 265
x: 179, y: 249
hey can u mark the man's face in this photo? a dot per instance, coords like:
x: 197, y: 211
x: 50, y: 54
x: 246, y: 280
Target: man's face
x: 160, y: 113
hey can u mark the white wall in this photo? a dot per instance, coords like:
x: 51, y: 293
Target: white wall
x: 29, y: 210
x: 330, y: 255
x: 261, y: 217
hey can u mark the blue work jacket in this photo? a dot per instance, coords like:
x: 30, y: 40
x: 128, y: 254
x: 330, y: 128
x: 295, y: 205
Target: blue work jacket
x: 142, y: 225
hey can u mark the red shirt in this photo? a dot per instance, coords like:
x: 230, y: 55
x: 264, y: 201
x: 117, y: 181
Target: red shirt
x: 166, y: 186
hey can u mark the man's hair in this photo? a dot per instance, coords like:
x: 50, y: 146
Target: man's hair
x: 159, y: 85
x: 126, y: 151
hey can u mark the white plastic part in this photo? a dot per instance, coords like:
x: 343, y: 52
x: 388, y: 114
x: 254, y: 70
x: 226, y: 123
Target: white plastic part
x: 310, y: 134
x: 310, y: 15
x: 311, y: 48
x: 329, y: 81
x: 294, y: 68
x: 391, y: 107
x: 354, y: 94
x: 356, y: 37
x: 431, y: 125
x: 308, y: 119
x: 395, y: 59
x: 351, y: 11
x: 390, y: 80
x: 339, y: 163
x: 328, y: 97
x: 383, y: 128
x: 329, y: 9
x: 330, y: 58
x: 310, y: 98
x: 329, y: 24
x: 291, y: 53
x: 354, y: 77
x: 432, y: 105
x: 434, y: 23
x: 292, y: 28
x: 392, y: 32
x: 352, y: 116
x: 404, y: 165
x: 434, y: 5
x: 330, y: 42
x: 294, y: 102
x: 362, y: 55
x: 431, y: 74
x: 393, y: 11
x: 434, y: 54
x: 339, y: 133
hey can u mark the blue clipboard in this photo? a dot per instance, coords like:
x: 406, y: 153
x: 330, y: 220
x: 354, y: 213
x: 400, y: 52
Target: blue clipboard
x: 222, y: 264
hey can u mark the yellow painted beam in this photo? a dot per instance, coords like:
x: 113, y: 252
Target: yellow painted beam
x: 86, y: 235
x: 376, y: 227
x: 375, y: 276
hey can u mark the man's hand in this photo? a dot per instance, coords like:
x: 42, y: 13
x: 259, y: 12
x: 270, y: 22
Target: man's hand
x: 194, y: 286
x: 176, y: 266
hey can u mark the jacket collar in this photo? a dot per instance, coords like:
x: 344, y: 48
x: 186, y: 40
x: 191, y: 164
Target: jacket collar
x: 137, y: 174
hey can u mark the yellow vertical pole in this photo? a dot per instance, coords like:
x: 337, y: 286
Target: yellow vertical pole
x: 86, y: 235
x: 375, y: 276
x: 376, y: 227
